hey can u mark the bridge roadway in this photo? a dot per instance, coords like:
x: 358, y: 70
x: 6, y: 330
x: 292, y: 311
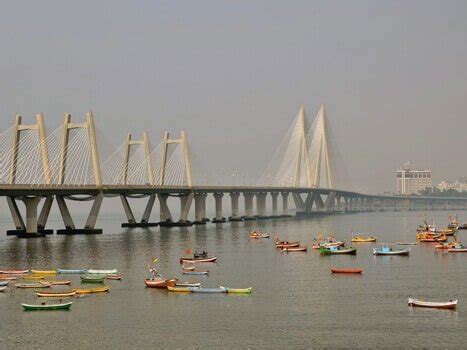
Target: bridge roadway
x: 308, y: 201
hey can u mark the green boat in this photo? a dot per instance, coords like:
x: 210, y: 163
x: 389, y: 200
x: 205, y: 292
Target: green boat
x: 337, y: 250
x: 30, y: 307
x: 93, y: 279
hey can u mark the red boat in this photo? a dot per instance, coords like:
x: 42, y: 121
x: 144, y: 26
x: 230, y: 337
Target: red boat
x: 14, y: 272
x: 197, y: 260
x: 297, y: 249
x: 287, y: 244
x: 160, y: 282
x: 337, y: 270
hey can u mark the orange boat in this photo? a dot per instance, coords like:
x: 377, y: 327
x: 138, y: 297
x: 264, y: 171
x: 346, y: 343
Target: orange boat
x: 337, y: 270
x: 445, y: 245
x: 286, y: 244
x: 160, y: 283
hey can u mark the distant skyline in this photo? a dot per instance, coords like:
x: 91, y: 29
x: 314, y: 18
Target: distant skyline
x: 393, y: 77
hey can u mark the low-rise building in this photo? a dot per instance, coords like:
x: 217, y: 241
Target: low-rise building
x: 458, y: 185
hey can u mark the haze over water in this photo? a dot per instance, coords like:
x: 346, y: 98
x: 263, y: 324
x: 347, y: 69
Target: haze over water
x: 296, y: 301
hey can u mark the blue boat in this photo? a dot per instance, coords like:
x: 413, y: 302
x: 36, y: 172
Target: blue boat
x: 4, y: 283
x: 76, y: 271
x: 207, y: 290
x: 195, y: 272
x: 386, y: 250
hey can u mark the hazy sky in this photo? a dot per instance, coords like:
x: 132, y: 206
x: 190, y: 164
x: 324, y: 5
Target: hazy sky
x: 393, y: 76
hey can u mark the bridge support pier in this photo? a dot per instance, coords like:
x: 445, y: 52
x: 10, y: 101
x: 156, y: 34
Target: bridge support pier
x: 200, y: 209
x: 285, y: 205
x: 275, y: 208
x: 131, y: 218
x: 166, y: 217
x: 234, y: 204
x: 261, y: 205
x: 218, y: 201
x: 34, y: 227
x: 89, y: 227
x: 249, y: 206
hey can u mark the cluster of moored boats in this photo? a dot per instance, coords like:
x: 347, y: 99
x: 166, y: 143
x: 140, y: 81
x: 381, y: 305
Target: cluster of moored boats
x: 41, y: 281
x: 190, y: 265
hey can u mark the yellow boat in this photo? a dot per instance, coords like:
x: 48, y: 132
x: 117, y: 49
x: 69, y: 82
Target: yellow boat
x: 178, y: 289
x: 32, y: 277
x: 91, y: 290
x: 363, y: 239
x: 44, y: 272
x: 240, y: 290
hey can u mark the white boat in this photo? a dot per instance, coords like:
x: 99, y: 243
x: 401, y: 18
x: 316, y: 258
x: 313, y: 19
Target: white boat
x: 432, y: 304
x: 103, y: 272
x: 386, y: 250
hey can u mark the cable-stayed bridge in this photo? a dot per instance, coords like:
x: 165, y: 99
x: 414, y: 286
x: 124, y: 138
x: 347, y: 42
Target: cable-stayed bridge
x: 75, y: 163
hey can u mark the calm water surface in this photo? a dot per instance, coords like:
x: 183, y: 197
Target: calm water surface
x: 296, y: 302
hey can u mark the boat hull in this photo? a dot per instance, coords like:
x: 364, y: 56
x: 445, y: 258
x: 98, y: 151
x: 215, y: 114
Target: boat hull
x: 13, y: 272
x: 207, y: 290
x: 30, y: 307
x: 326, y: 251
x: 239, y: 290
x: 56, y: 294
x: 352, y: 271
x: 102, y: 272
x: 72, y: 272
x: 395, y: 252
x: 297, y: 249
x: 434, y: 305
x: 161, y: 283
x: 92, y: 290
x: 193, y: 261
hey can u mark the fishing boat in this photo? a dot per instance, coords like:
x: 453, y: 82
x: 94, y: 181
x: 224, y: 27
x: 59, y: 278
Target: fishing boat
x: 188, y: 268
x: 92, y: 279
x: 72, y: 271
x: 91, y: 290
x: 341, y: 270
x: 258, y: 235
x: 437, y: 305
x: 406, y: 243
x: 187, y: 284
x: 114, y: 277
x: 160, y: 283
x: 362, y: 239
x: 32, y: 285
x: 33, y: 277
x: 337, y: 250
x: 31, y: 307
x: 328, y: 244
x: 102, y: 272
x: 63, y: 294
x: 2, y: 289
x: 198, y: 260
x: 239, y: 290
x: 195, y: 273
x: 207, y: 290
x: 386, y: 250
x: 8, y: 278
x: 57, y: 282
x: 445, y: 245
x: 458, y: 248
x: 287, y: 244
x: 178, y: 289
x: 434, y: 239
x: 4, y: 283
x: 448, y: 231
x: 44, y: 272
x: 14, y: 272
x: 294, y: 249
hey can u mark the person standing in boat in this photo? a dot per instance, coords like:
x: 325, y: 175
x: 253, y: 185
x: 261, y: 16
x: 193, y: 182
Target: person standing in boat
x: 153, y: 272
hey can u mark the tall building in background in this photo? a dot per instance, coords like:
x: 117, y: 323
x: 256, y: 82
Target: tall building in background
x: 411, y: 181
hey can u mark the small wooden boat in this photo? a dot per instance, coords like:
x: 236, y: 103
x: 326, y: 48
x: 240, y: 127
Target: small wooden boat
x: 32, y: 285
x: 207, y: 290
x: 434, y: 239
x: 296, y: 249
x: 448, y: 231
x: 71, y: 271
x: 188, y: 268
x: 114, y: 277
x: 91, y: 290
x: 362, y: 239
x: 44, y: 272
x: 63, y: 294
x: 239, y: 290
x: 328, y: 244
x: 195, y: 273
x: 437, y: 305
x: 4, y: 283
x: 257, y: 235
x: 386, y: 250
x: 30, y: 307
x: 337, y: 250
x: 14, y: 272
x: 406, y: 243
x: 102, y: 272
x: 57, y: 282
x: 287, y: 244
x: 33, y: 277
x: 458, y: 248
x: 178, y: 289
x: 198, y: 260
x: 2, y: 289
x: 187, y: 284
x: 92, y: 279
x: 340, y: 270
x: 445, y: 245
x: 8, y: 278
x: 161, y: 283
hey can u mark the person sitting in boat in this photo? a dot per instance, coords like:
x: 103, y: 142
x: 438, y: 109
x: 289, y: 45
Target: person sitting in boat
x: 204, y: 254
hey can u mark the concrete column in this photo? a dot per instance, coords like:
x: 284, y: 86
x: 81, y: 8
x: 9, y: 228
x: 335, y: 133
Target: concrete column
x: 94, y: 213
x: 15, y: 213
x: 31, y: 204
x: 185, y: 205
x: 234, y: 204
x: 275, y: 211
x: 148, y: 209
x: 346, y: 204
x: 165, y: 214
x: 200, y: 204
x: 261, y: 205
x: 218, y: 202
x: 67, y: 220
x: 249, y: 206
x: 44, y: 215
x: 128, y: 212
x: 285, y: 204
x: 338, y: 203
